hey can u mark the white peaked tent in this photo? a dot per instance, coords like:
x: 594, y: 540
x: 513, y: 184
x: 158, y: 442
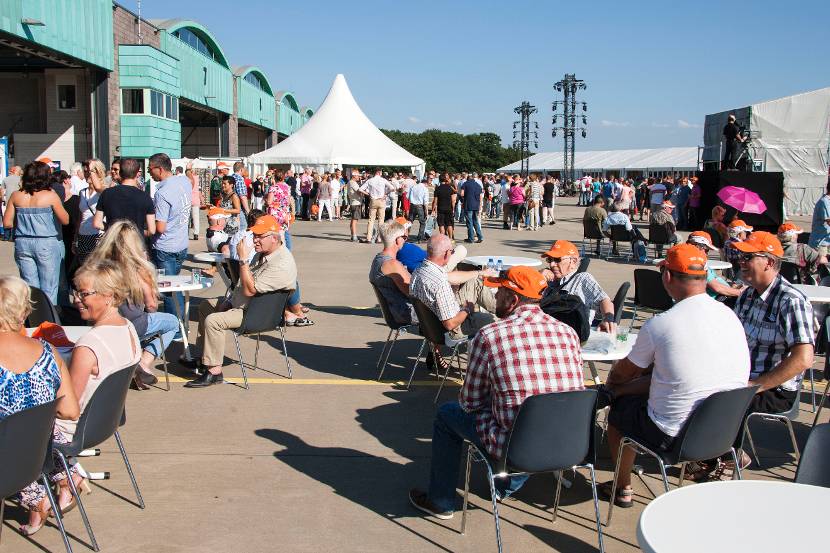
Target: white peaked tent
x: 338, y: 134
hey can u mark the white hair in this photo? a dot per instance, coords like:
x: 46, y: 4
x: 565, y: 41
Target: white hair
x: 391, y: 231
x: 76, y: 169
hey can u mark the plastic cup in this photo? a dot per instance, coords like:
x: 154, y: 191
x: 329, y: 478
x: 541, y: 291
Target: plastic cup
x: 160, y: 273
x: 196, y: 276
x: 622, y: 334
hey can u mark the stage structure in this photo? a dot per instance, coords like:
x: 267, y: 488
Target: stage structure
x: 790, y: 135
x: 524, y: 134
x: 568, y: 86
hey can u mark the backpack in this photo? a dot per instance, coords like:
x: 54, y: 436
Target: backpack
x: 569, y: 309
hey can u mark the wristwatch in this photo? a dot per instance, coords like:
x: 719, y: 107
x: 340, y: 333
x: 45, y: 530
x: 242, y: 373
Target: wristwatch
x: 608, y: 318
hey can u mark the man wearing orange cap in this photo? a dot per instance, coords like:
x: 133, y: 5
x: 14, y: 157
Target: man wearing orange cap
x: 663, y: 218
x: 497, y: 383
x: 715, y: 285
x: 738, y: 231
x: 805, y: 257
x: 778, y: 321
x: 272, y: 268
x: 681, y: 357
x: 563, y: 259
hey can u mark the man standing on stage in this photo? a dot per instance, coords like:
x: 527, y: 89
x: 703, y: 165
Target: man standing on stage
x: 731, y: 138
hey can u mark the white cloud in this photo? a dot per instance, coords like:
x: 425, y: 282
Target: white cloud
x: 607, y: 123
x: 457, y: 123
x: 660, y: 125
x: 686, y: 125
x: 413, y: 119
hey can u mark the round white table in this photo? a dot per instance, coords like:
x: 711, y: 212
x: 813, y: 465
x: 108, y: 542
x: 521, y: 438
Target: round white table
x: 814, y: 293
x: 507, y: 261
x: 725, y: 516
x: 208, y: 257
x: 714, y: 264
x: 601, y: 347
x: 183, y: 283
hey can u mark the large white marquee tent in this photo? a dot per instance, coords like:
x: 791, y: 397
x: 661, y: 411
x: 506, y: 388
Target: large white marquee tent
x: 338, y: 134
x: 647, y: 161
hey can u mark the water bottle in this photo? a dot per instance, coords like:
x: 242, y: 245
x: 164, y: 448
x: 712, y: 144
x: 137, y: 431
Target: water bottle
x: 491, y: 264
x: 499, y: 265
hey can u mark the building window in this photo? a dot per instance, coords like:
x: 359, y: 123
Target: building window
x: 66, y: 97
x: 157, y: 103
x: 196, y: 42
x: 254, y: 80
x: 132, y: 100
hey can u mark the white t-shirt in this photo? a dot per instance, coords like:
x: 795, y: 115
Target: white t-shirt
x: 76, y: 184
x: 698, y: 347
x: 658, y: 192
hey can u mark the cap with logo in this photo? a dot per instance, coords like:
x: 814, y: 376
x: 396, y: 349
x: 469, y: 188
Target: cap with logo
x: 788, y: 227
x: 739, y: 225
x: 669, y: 204
x: 562, y: 248
x: 217, y: 213
x: 683, y: 258
x: 761, y: 242
x: 703, y: 238
x: 521, y: 279
x: 266, y: 223
x: 403, y: 221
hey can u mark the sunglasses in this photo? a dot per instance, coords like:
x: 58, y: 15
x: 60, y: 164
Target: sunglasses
x: 747, y: 257
x: 557, y: 259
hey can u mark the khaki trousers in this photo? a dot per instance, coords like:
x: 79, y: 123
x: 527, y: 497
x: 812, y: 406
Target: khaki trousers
x: 212, y: 327
x: 475, y: 292
x: 377, y: 208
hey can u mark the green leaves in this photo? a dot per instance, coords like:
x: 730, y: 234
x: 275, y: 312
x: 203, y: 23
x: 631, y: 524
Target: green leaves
x: 454, y: 152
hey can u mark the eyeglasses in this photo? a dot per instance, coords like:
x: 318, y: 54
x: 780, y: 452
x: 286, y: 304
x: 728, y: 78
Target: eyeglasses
x: 747, y: 257
x: 558, y: 259
x: 78, y: 295
x: 261, y: 236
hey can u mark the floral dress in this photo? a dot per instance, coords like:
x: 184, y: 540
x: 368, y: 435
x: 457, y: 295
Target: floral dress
x: 280, y: 206
x: 19, y: 391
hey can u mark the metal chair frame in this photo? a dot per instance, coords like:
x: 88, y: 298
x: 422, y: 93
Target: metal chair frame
x: 786, y: 418
x: 394, y: 328
x: 431, y: 328
x: 150, y: 339
x: 279, y: 320
x: 591, y: 238
x: 617, y: 238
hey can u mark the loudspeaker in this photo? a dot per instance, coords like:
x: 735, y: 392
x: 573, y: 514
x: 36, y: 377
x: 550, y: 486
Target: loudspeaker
x: 768, y: 185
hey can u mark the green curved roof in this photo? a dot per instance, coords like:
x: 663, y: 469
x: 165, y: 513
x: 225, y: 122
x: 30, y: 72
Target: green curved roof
x: 245, y: 69
x: 173, y: 25
x: 289, y: 97
x: 307, y: 111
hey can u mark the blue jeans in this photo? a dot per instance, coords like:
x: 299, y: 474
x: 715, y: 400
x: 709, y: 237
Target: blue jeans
x: 452, y: 426
x: 294, y: 298
x: 36, y: 260
x: 473, y: 224
x: 165, y: 323
x: 171, y: 262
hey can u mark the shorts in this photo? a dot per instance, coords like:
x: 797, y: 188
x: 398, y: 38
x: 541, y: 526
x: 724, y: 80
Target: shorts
x: 629, y: 415
x: 445, y: 219
x: 547, y: 203
x: 336, y: 202
x: 356, y: 212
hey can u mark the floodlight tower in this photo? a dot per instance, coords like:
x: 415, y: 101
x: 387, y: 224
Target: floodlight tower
x: 523, y: 137
x: 569, y: 127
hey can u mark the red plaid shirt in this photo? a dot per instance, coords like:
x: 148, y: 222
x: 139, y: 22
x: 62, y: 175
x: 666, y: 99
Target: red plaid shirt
x: 525, y: 354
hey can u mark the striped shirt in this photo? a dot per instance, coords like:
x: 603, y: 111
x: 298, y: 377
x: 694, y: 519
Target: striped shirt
x: 584, y: 286
x: 239, y: 185
x: 527, y: 353
x: 775, y: 321
x: 430, y: 286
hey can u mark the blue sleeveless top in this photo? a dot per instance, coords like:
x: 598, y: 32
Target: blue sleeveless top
x: 34, y: 387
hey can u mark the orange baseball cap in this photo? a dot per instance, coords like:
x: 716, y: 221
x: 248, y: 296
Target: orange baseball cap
x: 682, y: 257
x: 403, y: 222
x: 739, y: 224
x: 669, y: 204
x: 562, y: 248
x: 522, y: 280
x: 222, y: 165
x: 703, y: 238
x: 789, y: 227
x: 217, y: 213
x: 45, y: 160
x: 761, y: 242
x: 266, y: 223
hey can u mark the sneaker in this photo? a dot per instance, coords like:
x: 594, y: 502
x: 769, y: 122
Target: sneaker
x: 420, y: 501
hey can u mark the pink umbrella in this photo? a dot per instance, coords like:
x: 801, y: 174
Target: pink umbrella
x: 745, y: 201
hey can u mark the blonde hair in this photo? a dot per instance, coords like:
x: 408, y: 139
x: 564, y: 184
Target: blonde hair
x: 97, y: 166
x: 15, y: 302
x: 123, y: 245
x: 107, y: 279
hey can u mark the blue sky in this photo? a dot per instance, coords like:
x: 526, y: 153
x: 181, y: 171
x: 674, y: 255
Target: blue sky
x: 653, y: 69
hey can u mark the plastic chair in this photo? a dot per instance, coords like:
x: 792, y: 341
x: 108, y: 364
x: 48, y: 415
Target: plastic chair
x: 786, y: 417
x: 619, y: 301
x: 394, y: 327
x: 103, y: 414
x: 620, y: 234
x: 658, y: 237
x: 823, y: 399
x: 552, y: 432
x: 708, y: 433
x: 814, y: 467
x: 583, y: 264
x: 25, y: 437
x: 791, y: 272
x: 42, y: 309
x: 433, y: 332
x: 717, y: 239
x: 264, y: 313
x: 823, y: 271
x: 147, y: 341
x: 593, y: 236
x: 649, y: 294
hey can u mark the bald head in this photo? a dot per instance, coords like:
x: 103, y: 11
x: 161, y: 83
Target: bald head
x: 437, y: 248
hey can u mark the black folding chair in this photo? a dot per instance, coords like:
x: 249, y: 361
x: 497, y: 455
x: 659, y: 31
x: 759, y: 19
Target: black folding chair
x: 552, y: 432
x: 25, y: 438
x: 42, y: 309
x: 593, y: 237
x: 619, y: 234
x: 145, y: 342
x: 264, y: 313
x: 814, y: 467
x: 619, y: 301
x: 649, y: 294
x: 103, y: 414
x: 717, y: 239
x: 658, y: 238
x: 786, y: 417
x: 583, y: 264
x: 823, y: 399
x: 792, y: 273
x: 708, y: 433
x: 433, y: 332
x: 395, y: 328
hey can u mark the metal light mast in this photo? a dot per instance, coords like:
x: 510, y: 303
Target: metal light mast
x: 524, y: 134
x: 569, y: 127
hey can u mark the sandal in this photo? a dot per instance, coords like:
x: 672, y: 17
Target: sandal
x: 29, y: 529
x: 698, y: 471
x: 604, y: 491
x: 726, y: 469
x: 302, y: 321
x: 137, y: 384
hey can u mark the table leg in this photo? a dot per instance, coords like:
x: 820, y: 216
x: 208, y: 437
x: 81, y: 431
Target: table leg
x: 594, y: 373
x: 182, y: 325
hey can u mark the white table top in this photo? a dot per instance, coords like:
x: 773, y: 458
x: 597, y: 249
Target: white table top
x: 600, y: 347
x: 814, y: 293
x: 507, y: 261
x: 714, y: 264
x: 209, y: 257
x: 724, y: 516
x: 182, y: 283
